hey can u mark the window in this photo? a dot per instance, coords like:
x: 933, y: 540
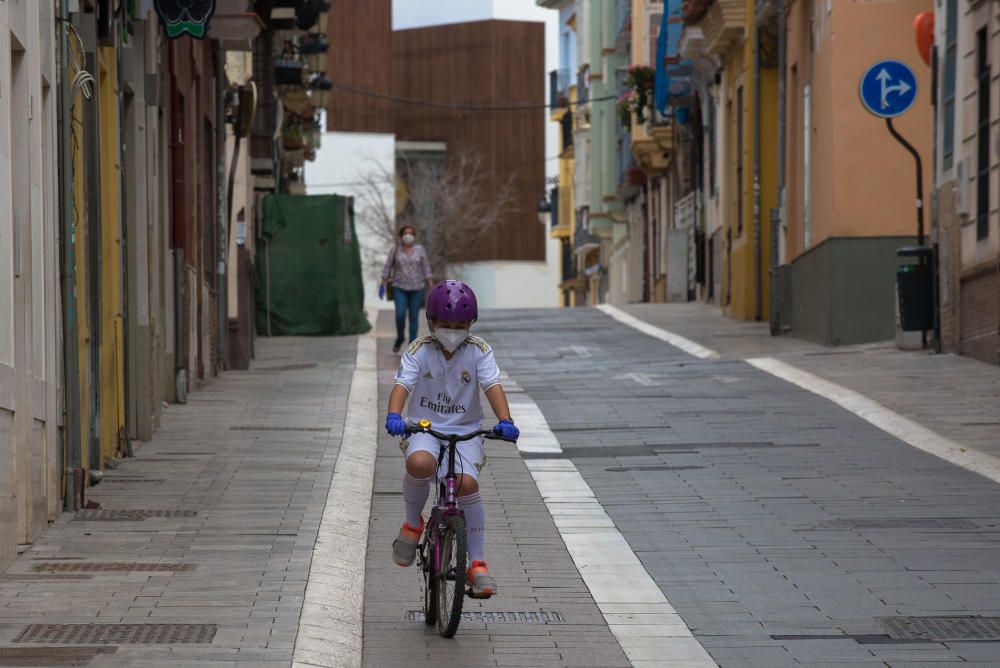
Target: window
x: 713, y: 189
x: 983, y: 137
x: 739, y: 161
x: 948, y: 86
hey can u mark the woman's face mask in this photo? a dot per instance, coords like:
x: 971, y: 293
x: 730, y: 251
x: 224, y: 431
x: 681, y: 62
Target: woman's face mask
x: 451, y: 339
x: 408, y: 239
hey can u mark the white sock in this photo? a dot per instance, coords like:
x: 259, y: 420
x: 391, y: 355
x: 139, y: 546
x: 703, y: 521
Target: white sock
x: 472, y: 506
x: 415, y: 493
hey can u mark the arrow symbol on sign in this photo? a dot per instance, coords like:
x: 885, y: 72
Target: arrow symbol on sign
x: 884, y: 78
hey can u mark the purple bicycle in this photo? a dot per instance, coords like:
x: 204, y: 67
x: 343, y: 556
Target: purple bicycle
x: 441, y: 554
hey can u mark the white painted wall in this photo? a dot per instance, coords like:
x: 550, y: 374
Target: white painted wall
x: 500, y: 284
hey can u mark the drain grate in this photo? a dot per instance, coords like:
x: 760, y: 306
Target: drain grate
x: 113, y: 479
x: 44, y: 577
x: 652, y: 467
x: 494, y: 616
x: 898, y: 523
x: 110, y: 567
x: 941, y: 629
x: 129, y: 515
x: 51, y: 656
x: 288, y: 367
x: 118, y: 634
x: 262, y: 427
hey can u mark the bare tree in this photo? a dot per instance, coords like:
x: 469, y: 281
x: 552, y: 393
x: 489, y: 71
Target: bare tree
x: 449, y: 203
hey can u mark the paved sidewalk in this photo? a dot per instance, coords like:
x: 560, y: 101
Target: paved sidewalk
x: 955, y: 396
x: 249, y: 462
x: 527, y: 556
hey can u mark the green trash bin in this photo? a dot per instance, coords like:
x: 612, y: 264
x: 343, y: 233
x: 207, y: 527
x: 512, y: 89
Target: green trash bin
x: 916, y: 302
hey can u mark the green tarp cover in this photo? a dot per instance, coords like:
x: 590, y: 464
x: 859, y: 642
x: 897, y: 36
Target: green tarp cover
x: 309, y: 268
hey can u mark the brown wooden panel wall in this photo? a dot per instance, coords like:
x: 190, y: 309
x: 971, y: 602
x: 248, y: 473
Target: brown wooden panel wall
x: 360, y: 32
x: 482, y: 63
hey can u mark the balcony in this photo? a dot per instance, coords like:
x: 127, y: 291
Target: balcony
x: 566, y: 133
x: 558, y: 90
x: 584, y: 240
x: 724, y: 24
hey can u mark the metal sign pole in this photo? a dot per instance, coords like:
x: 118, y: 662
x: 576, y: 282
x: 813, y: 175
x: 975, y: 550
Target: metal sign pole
x: 920, y: 200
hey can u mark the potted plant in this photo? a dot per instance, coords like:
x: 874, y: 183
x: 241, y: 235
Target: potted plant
x: 640, y: 81
x: 625, y: 106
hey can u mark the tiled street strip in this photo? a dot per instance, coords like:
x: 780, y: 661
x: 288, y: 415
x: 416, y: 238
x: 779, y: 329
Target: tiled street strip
x: 331, y: 626
x: 248, y: 463
x: 555, y: 622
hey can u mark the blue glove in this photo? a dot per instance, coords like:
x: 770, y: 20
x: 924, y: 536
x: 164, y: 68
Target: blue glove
x: 395, y: 425
x: 381, y: 291
x: 506, y: 429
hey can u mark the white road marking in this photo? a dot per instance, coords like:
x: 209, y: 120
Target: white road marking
x: 579, y: 351
x: 332, y: 621
x: 676, y: 340
x: 646, y: 379
x: 887, y: 420
x: 647, y: 627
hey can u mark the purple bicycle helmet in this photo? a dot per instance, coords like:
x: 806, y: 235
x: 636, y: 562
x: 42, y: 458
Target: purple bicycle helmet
x: 452, y: 301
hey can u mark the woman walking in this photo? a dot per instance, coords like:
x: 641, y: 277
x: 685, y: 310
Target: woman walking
x: 407, y: 271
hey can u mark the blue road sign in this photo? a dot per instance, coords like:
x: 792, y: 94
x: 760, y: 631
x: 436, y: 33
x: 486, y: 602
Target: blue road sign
x: 888, y: 88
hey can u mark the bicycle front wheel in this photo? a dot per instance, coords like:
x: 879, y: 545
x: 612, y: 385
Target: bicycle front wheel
x: 451, y: 577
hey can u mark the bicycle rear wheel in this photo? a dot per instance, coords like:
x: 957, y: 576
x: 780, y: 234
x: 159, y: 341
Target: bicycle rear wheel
x: 451, y: 578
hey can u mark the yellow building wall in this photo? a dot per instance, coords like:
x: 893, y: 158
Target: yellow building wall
x: 742, y: 300
x: 112, y: 349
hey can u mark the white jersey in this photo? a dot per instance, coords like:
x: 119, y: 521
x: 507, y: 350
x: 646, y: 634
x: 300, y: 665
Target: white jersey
x: 446, y: 392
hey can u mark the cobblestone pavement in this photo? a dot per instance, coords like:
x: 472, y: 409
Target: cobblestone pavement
x: 250, y: 458
x: 781, y: 527
x: 527, y: 556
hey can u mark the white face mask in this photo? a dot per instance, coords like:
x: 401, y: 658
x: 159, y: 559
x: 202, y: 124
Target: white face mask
x: 451, y: 339
x: 408, y: 239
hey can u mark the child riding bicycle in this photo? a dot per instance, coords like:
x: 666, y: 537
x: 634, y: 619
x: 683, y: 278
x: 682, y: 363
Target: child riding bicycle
x: 441, y: 375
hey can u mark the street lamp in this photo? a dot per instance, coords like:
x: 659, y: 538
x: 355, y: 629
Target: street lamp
x: 544, y: 210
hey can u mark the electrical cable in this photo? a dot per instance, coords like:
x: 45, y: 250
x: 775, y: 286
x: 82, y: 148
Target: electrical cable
x: 463, y: 107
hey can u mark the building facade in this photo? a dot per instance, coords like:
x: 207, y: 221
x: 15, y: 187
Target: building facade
x: 966, y: 162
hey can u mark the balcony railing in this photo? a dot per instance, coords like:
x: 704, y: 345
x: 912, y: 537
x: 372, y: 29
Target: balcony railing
x: 568, y: 261
x: 559, y: 89
x: 554, y: 204
x: 583, y: 85
x: 625, y: 157
x: 583, y: 239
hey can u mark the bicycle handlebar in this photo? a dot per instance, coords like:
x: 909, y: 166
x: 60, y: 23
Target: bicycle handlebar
x: 420, y: 428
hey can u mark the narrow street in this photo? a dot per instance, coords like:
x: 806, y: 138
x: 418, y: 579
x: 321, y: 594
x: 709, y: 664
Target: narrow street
x: 763, y: 525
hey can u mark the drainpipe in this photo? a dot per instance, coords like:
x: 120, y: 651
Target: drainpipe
x: 72, y: 453
x: 778, y: 214
x: 222, y: 228
x: 757, y: 306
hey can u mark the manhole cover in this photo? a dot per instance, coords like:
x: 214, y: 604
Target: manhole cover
x: 51, y: 656
x: 129, y: 515
x: 117, y: 634
x: 262, y: 427
x: 491, y: 616
x: 110, y: 479
x: 652, y: 467
x: 941, y: 629
x: 288, y: 367
x: 109, y: 567
x: 898, y: 523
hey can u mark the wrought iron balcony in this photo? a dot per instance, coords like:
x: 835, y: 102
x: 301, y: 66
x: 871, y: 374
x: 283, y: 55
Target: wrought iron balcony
x: 559, y: 89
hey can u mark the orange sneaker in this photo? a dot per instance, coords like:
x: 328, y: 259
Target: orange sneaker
x: 404, y: 548
x: 482, y: 583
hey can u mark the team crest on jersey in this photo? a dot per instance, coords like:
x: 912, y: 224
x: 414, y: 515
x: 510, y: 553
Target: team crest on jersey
x: 428, y: 376
x: 466, y: 377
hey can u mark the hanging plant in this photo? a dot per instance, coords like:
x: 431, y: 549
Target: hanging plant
x: 640, y: 81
